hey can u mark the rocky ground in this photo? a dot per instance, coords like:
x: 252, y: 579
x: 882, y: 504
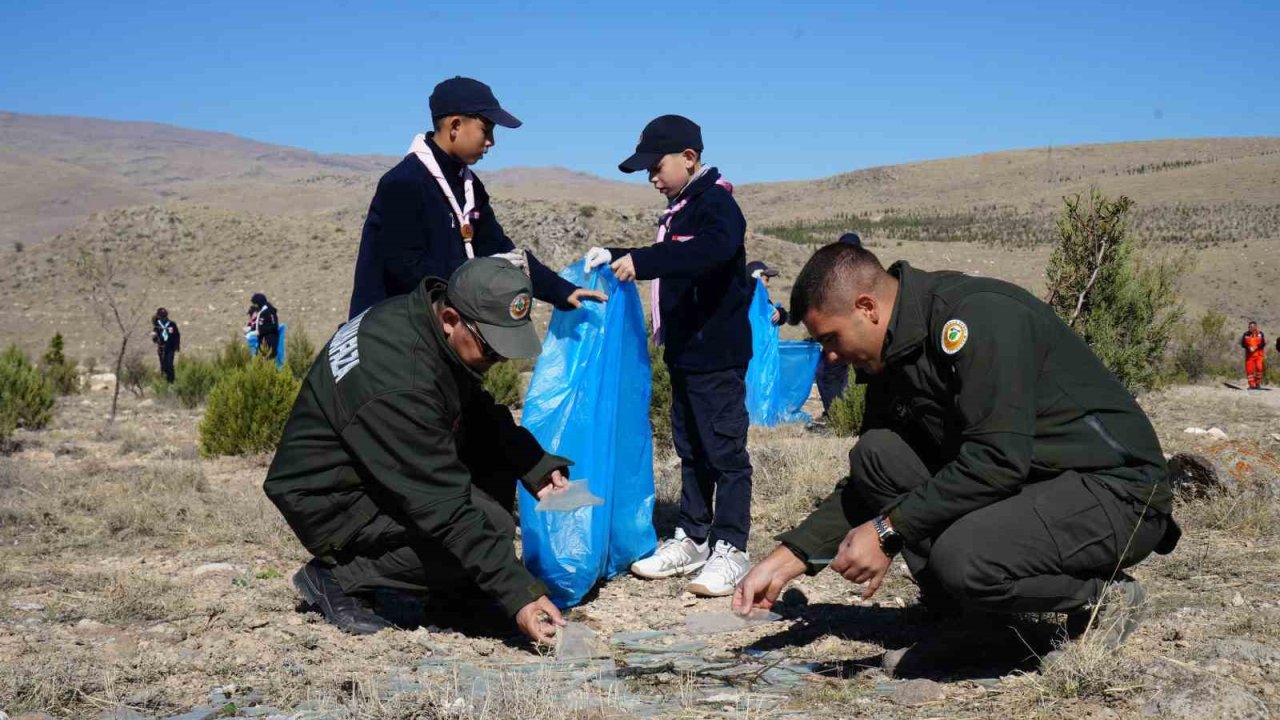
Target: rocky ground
x: 141, y: 581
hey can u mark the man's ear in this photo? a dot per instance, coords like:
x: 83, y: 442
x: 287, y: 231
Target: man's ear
x: 449, y: 320
x: 867, y: 305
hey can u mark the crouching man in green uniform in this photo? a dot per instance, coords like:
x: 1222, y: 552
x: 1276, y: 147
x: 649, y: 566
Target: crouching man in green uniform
x: 1012, y: 471
x: 397, y: 470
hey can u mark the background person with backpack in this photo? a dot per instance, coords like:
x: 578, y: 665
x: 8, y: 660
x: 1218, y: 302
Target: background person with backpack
x: 265, y: 321
x: 164, y: 333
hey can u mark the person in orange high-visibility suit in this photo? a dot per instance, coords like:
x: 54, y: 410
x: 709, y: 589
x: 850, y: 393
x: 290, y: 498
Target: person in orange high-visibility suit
x: 1255, y: 347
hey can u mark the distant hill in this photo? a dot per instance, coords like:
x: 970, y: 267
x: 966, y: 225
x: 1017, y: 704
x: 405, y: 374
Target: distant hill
x: 230, y: 216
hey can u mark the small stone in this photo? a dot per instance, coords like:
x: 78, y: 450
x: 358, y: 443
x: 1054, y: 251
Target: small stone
x: 1217, y: 433
x: 28, y: 607
x: 1206, y: 699
x: 215, y: 568
x: 1237, y: 600
x: 918, y: 692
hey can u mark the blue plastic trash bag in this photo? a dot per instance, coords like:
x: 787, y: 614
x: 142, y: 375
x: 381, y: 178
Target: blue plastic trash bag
x: 762, y: 371
x: 589, y: 401
x: 797, y: 361
x: 777, y: 383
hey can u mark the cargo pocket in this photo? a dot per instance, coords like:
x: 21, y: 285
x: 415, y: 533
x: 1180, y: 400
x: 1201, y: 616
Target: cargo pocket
x: 729, y: 437
x: 1078, y: 525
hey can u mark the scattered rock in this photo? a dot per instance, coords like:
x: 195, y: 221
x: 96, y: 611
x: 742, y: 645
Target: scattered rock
x: 1229, y: 466
x: 1246, y: 651
x: 1206, y: 699
x: 27, y: 607
x: 216, y: 568
x: 918, y: 692
x: 1237, y: 600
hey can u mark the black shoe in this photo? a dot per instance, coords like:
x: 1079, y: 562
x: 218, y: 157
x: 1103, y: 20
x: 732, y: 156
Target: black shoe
x: 320, y: 588
x: 1114, y: 617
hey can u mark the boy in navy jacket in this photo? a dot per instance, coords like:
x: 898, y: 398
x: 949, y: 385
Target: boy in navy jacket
x: 430, y: 214
x: 701, y: 294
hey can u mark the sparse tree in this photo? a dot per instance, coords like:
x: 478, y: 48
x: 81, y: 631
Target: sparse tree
x: 1125, y: 308
x: 120, y: 301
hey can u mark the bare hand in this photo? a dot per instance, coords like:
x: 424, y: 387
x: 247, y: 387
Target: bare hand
x: 761, y: 587
x: 539, y: 620
x: 579, y: 295
x: 553, y: 483
x: 776, y: 317
x: 624, y: 268
x: 860, y: 559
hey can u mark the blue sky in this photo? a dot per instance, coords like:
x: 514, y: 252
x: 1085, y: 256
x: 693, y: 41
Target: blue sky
x: 782, y: 90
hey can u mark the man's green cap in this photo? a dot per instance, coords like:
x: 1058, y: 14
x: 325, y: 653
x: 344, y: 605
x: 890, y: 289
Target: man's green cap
x: 498, y: 297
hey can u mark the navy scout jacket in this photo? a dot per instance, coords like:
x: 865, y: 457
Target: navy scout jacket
x: 704, y: 292
x: 390, y: 421
x: 411, y: 233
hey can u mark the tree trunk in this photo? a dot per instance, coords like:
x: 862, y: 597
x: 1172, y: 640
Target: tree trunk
x: 115, y: 396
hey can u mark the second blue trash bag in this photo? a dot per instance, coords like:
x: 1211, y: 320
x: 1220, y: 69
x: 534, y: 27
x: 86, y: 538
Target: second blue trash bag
x: 589, y: 401
x: 780, y: 373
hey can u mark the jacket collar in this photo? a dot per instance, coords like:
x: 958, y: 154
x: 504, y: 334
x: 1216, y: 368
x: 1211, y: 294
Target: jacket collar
x: 697, y: 185
x: 422, y: 310
x: 908, y: 327
x: 451, y: 166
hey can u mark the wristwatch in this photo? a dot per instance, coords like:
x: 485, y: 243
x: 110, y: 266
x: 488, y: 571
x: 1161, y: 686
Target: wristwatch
x: 890, y: 541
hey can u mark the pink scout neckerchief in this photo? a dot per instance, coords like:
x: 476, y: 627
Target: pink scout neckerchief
x: 463, y: 214
x: 664, y: 226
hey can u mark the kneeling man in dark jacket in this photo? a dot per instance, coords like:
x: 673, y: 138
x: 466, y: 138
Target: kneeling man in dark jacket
x: 397, y: 470
x: 997, y: 454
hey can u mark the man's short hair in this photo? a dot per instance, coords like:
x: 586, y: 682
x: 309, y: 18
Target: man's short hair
x: 834, y: 274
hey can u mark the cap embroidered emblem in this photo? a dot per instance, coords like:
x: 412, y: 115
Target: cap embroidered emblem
x: 954, y: 335
x: 519, y: 306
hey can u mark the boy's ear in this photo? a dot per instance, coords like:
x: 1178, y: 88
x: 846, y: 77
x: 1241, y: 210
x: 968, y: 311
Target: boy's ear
x: 691, y: 157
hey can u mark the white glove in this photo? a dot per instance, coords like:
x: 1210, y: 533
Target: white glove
x: 596, y: 257
x: 515, y: 257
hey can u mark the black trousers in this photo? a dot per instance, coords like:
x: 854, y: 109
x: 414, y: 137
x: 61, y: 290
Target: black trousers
x: 709, y: 428
x: 831, y: 380
x: 387, y: 554
x: 166, y: 361
x: 267, y: 344
x: 1049, y: 548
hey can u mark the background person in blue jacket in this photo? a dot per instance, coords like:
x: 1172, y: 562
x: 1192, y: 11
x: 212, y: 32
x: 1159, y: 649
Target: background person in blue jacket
x: 701, y: 296
x: 757, y: 270
x: 430, y: 214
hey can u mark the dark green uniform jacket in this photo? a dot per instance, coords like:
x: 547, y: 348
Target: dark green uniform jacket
x: 377, y: 429
x: 992, y: 391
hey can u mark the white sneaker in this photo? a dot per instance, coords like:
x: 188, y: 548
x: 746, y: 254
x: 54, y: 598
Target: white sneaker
x: 677, y: 556
x: 722, y: 572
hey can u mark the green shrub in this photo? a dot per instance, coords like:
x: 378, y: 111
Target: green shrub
x: 26, y: 397
x: 299, y: 352
x: 247, y: 410
x: 844, y: 417
x: 502, y: 381
x: 62, y: 375
x: 1126, y: 310
x: 136, y: 374
x: 660, y: 401
x: 1202, y: 348
x: 194, y: 378
x: 234, y: 355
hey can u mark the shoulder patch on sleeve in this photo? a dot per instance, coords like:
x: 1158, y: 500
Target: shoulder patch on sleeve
x: 954, y: 335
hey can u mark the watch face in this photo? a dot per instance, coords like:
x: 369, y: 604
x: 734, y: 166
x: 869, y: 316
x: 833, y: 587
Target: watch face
x: 891, y: 543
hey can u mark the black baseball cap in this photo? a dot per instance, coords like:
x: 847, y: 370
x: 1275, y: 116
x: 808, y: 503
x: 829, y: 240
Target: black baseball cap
x: 498, y: 298
x: 662, y: 136
x: 765, y: 270
x: 464, y: 96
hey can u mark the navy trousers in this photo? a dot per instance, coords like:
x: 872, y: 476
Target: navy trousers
x: 831, y: 379
x: 709, y: 426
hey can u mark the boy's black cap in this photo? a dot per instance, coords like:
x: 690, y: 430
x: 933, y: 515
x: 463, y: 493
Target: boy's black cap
x: 662, y: 136
x: 464, y: 96
x: 759, y: 265
x: 498, y: 298
x: 851, y: 239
